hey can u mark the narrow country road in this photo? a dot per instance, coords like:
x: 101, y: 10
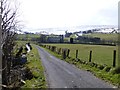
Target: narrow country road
x: 61, y: 74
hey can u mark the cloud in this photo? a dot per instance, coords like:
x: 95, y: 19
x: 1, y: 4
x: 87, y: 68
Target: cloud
x: 66, y: 13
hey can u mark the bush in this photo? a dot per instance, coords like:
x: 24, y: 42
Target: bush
x: 77, y: 59
x: 92, y: 64
x: 116, y: 70
x: 83, y: 62
x: 101, y: 67
x: 80, y: 61
x: 95, y: 65
x: 107, y: 69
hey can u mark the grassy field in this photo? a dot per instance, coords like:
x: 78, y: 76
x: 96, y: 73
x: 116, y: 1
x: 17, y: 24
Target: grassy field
x: 112, y: 37
x: 100, y: 54
x: 27, y: 36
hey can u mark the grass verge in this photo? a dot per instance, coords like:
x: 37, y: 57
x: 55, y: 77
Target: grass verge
x: 35, y: 66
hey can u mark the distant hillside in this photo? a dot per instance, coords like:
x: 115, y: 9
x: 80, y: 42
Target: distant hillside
x: 27, y: 36
x: 100, y: 30
x: 108, y: 34
x: 102, y: 36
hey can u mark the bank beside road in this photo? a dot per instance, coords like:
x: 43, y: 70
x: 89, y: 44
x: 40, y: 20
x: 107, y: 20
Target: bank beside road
x: 29, y: 66
x: 37, y: 70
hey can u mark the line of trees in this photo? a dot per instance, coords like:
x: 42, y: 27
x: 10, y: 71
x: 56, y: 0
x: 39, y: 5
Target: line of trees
x: 9, y: 26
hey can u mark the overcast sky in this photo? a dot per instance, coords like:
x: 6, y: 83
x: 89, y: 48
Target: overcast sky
x: 67, y: 13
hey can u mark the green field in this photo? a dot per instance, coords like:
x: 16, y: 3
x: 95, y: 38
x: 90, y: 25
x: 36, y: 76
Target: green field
x: 100, y: 54
x: 111, y: 37
x: 27, y: 36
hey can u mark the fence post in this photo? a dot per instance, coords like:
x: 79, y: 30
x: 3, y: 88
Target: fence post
x: 76, y: 53
x: 49, y: 47
x: 59, y: 50
x: 114, y: 58
x: 64, y: 53
x: 90, y: 57
x: 68, y: 51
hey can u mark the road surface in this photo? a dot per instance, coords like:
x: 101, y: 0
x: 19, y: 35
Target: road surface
x: 60, y: 74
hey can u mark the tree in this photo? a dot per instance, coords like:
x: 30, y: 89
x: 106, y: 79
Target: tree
x: 9, y: 27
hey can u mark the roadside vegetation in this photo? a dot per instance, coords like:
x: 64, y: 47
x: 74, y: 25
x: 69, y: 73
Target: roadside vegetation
x: 105, y: 72
x: 35, y: 71
x: 35, y: 66
x: 9, y: 23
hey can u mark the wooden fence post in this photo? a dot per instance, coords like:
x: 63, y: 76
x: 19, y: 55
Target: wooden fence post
x: 64, y: 53
x: 68, y: 52
x: 59, y: 51
x: 114, y: 58
x: 76, y: 53
x: 90, y: 57
x: 49, y: 47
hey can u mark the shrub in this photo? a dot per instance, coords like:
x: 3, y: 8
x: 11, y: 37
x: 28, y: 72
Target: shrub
x: 77, y: 59
x: 84, y: 62
x: 80, y: 61
x: 91, y: 64
x: 101, y: 67
x: 116, y: 70
x: 107, y: 69
x: 95, y: 65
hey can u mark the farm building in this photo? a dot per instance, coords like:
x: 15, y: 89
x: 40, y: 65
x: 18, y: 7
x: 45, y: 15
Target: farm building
x: 55, y: 39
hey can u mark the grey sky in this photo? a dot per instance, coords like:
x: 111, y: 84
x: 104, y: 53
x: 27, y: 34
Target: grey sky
x: 67, y: 13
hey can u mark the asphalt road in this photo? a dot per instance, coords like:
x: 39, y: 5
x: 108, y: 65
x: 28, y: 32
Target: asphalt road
x: 60, y: 74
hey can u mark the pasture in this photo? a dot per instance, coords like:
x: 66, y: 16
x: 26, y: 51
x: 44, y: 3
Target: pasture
x: 102, y: 36
x: 100, y: 54
x: 27, y: 36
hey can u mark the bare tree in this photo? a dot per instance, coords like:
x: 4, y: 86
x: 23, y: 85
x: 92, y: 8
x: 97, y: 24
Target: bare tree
x: 0, y: 51
x: 9, y: 28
